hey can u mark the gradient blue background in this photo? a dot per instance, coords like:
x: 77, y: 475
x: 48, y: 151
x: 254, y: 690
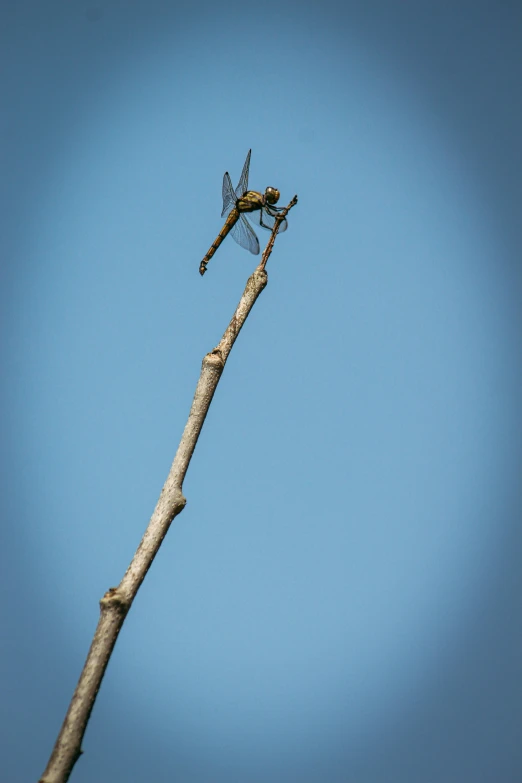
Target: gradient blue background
x: 341, y: 598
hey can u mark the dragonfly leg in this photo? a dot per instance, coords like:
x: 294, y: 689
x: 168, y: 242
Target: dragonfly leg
x: 262, y: 223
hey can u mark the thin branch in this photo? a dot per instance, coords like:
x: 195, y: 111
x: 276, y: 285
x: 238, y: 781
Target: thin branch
x: 279, y: 219
x: 117, y: 601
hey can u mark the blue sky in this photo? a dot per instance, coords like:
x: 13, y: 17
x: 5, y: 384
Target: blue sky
x: 340, y: 598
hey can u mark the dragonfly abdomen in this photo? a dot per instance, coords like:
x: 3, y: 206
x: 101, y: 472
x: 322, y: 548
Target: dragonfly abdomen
x: 229, y: 223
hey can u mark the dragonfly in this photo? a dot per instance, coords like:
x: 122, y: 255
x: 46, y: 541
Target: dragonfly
x: 260, y: 208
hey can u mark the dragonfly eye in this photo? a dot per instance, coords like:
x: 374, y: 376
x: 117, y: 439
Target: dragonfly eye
x: 272, y: 195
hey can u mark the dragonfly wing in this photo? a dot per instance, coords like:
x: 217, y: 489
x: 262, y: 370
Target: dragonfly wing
x: 244, y: 235
x: 243, y: 181
x: 283, y: 226
x: 266, y: 219
x: 229, y: 197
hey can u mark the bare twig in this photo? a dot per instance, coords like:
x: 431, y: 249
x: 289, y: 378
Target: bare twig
x: 270, y: 244
x: 117, y: 601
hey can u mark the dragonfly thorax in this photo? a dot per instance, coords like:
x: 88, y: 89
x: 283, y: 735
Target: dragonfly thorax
x: 250, y: 201
x: 272, y: 195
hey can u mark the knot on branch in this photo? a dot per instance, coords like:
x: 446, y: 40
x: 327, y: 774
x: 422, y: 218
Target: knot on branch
x: 179, y: 504
x: 115, y: 599
x: 257, y: 280
x: 214, y: 361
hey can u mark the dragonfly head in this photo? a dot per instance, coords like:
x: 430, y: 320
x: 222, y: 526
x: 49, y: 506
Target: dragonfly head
x: 272, y: 195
